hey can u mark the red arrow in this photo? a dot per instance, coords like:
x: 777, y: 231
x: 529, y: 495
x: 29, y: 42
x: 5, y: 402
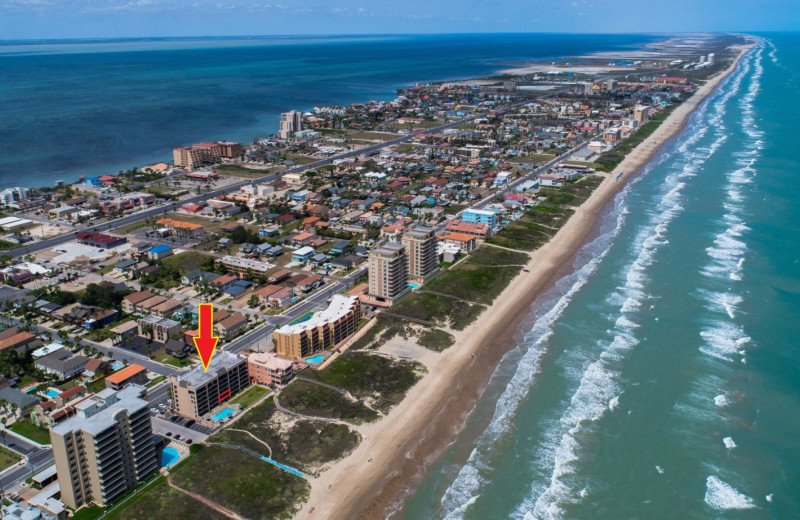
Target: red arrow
x: 206, y: 342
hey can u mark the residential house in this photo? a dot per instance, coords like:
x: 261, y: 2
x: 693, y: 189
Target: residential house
x: 131, y: 374
x: 231, y: 325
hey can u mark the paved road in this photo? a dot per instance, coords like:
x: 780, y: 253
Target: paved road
x: 38, y: 458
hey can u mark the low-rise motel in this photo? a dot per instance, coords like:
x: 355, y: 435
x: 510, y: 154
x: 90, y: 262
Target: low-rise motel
x: 322, y: 330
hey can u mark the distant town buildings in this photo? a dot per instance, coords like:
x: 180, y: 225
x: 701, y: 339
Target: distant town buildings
x: 190, y: 157
x: 291, y: 122
x: 106, y: 449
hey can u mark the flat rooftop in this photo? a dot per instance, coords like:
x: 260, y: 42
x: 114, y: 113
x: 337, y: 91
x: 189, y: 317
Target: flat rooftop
x: 197, y: 377
x: 96, y: 414
x: 339, y: 307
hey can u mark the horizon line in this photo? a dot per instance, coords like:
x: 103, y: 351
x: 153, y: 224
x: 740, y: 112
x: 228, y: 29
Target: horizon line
x: 101, y: 39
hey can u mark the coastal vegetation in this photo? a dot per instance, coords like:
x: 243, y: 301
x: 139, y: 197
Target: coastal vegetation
x: 305, y: 444
x: 380, y: 381
x: 161, y: 501
x: 242, y: 483
x: 318, y: 401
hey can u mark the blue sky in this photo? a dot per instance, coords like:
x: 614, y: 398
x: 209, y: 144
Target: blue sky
x: 24, y: 19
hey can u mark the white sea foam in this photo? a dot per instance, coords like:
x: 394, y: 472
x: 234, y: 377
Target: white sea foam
x: 728, y: 442
x: 613, y: 403
x: 722, y: 496
x: 660, y: 470
x: 769, y: 497
x: 465, y: 489
x: 599, y: 384
x: 722, y: 400
x: 723, y: 340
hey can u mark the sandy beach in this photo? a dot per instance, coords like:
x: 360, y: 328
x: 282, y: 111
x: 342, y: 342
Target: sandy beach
x: 405, y: 442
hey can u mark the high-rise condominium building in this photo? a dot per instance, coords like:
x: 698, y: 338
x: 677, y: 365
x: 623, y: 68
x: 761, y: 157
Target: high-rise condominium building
x: 198, y: 392
x: 291, y: 122
x: 106, y: 448
x: 420, y: 244
x: 388, y: 272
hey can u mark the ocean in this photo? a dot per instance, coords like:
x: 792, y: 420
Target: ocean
x: 92, y: 107
x: 659, y: 380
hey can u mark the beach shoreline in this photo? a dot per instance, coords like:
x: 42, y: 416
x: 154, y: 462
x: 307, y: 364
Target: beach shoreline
x: 399, y: 449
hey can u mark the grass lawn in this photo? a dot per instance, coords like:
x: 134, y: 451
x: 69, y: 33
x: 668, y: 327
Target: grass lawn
x: 250, y: 396
x: 318, y: 401
x: 373, y: 136
x: 87, y: 513
x: 8, y: 458
x: 252, y: 488
x: 187, y: 261
x: 5, y: 245
x: 161, y: 501
x: 179, y: 363
x: 383, y: 380
x: 300, y: 158
x: 534, y: 158
x: 133, y: 227
x: 31, y: 431
x: 153, y: 382
x: 97, y: 385
x: 237, y: 170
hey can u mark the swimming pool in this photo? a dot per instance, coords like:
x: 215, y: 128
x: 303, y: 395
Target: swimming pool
x: 413, y: 285
x: 52, y: 392
x: 223, y: 414
x: 117, y: 366
x: 315, y: 359
x: 170, y: 456
x: 31, y: 389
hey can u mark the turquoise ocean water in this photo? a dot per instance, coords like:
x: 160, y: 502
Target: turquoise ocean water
x: 92, y: 107
x: 660, y: 380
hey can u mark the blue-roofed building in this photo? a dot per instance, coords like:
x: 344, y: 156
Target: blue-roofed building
x: 481, y: 216
x: 237, y: 287
x: 267, y: 232
x: 158, y: 252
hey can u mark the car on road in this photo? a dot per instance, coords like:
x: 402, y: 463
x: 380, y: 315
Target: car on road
x: 177, y: 436
x: 154, y: 410
x: 169, y: 434
x: 189, y: 441
x: 526, y: 270
x: 162, y: 405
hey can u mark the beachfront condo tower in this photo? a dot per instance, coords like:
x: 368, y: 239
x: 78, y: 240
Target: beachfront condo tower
x: 388, y: 273
x: 420, y: 244
x: 106, y: 448
x: 291, y: 122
